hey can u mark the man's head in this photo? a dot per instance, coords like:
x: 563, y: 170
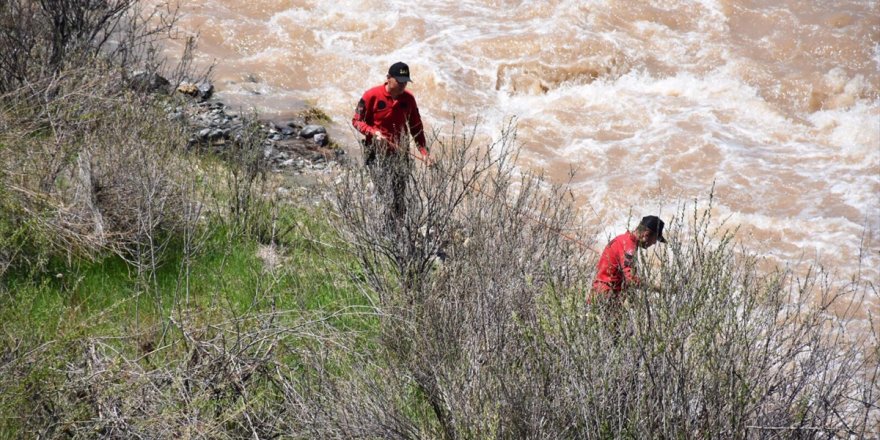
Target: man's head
x: 398, y: 77
x: 650, y: 231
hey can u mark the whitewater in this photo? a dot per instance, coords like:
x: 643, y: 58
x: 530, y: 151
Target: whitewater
x: 775, y: 105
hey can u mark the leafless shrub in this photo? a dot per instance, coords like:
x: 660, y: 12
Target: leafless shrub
x: 40, y: 38
x: 94, y: 168
x: 718, y: 349
x: 246, y: 182
x: 234, y: 378
x: 449, y: 324
x: 88, y: 164
x: 497, y: 341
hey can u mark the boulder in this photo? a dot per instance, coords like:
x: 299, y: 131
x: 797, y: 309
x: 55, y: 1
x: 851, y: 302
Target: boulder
x: 311, y: 130
x: 206, y: 89
x: 203, y: 90
x: 150, y: 82
x: 320, y: 139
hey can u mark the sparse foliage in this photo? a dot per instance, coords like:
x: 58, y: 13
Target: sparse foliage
x: 498, y: 341
x: 475, y: 272
x: 41, y: 38
x: 92, y: 168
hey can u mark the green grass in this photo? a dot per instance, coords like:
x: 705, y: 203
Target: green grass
x: 51, y: 314
x: 110, y: 295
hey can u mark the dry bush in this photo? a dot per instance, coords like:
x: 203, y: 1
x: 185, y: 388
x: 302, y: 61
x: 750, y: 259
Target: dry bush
x: 234, y: 378
x: 497, y: 341
x: 40, y: 38
x: 247, y: 192
x: 88, y: 165
x: 449, y: 325
x: 750, y: 353
x: 92, y: 167
x: 718, y: 349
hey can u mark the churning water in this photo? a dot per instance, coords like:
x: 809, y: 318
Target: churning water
x: 776, y: 102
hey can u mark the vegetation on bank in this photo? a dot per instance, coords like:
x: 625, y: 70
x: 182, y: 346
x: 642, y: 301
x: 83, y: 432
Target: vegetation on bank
x: 149, y: 289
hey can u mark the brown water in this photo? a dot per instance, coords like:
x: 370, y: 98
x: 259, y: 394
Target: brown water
x: 776, y: 102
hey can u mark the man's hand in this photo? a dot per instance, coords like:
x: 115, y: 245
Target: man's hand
x: 426, y: 157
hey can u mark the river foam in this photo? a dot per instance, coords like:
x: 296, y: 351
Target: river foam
x: 653, y: 103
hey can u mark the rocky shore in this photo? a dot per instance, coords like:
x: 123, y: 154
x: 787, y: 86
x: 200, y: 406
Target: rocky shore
x: 298, y: 145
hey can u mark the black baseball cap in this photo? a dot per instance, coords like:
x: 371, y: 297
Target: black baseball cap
x: 655, y: 225
x: 400, y: 72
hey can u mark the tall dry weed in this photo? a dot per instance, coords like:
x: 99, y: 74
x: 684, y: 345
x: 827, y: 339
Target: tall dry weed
x: 498, y: 340
x: 94, y: 167
x: 88, y: 164
x: 41, y: 38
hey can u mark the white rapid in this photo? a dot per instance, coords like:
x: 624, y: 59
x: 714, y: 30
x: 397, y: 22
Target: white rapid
x: 775, y: 103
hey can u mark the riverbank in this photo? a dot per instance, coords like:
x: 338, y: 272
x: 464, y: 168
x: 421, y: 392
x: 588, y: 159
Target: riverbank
x: 297, y: 147
x: 149, y: 242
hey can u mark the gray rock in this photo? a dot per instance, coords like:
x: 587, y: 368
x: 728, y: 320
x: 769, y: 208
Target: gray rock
x: 150, y: 82
x: 206, y: 89
x: 268, y: 152
x: 320, y: 139
x: 311, y: 130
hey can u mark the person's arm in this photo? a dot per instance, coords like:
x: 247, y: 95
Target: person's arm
x: 628, y: 264
x: 417, y: 130
x: 363, y: 118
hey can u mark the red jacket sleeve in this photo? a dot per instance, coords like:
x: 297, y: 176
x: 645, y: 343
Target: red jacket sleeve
x: 416, y: 128
x: 363, y: 116
x: 627, y: 259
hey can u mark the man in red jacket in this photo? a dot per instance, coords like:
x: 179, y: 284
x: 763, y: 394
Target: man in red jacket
x: 386, y: 114
x: 616, y: 270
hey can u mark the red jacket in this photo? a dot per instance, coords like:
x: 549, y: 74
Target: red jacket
x: 615, y: 268
x: 378, y: 112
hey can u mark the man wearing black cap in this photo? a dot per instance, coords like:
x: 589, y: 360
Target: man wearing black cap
x: 616, y: 265
x: 386, y: 113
